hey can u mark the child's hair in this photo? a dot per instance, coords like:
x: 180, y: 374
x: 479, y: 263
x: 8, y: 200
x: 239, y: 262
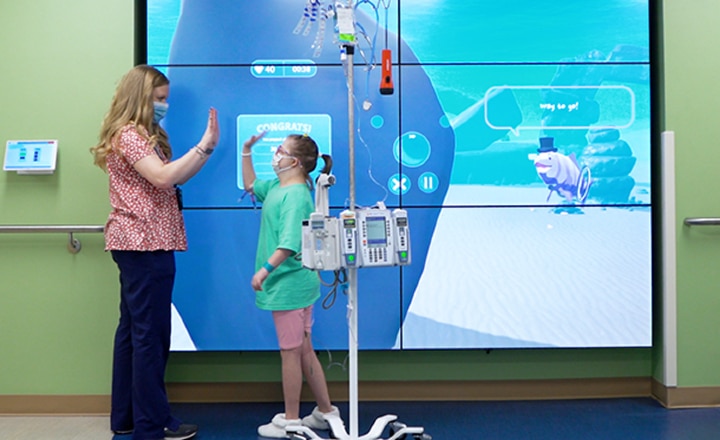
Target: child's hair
x: 306, y: 151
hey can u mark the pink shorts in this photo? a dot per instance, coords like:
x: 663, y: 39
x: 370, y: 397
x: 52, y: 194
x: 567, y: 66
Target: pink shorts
x: 292, y: 326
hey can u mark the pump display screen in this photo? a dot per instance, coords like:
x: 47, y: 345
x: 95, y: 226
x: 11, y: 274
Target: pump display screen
x: 376, y: 231
x: 516, y: 136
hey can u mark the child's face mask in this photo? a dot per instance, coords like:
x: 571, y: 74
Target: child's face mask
x: 279, y: 155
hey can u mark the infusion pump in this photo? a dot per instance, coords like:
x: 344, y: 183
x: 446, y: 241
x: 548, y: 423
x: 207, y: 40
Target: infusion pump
x: 368, y: 237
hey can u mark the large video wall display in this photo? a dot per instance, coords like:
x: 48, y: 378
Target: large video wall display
x: 516, y: 137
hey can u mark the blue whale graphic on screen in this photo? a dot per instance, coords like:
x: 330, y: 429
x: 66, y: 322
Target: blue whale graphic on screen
x: 404, y: 152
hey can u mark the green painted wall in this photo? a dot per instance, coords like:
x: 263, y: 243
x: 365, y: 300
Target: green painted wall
x: 692, y: 110
x: 61, y: 61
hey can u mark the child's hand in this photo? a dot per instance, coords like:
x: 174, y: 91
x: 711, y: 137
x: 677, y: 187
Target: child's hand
x: 247, y: 146
x: 258, y: 279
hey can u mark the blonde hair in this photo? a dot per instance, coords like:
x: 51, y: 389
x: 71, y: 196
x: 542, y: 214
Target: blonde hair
x: 133, y: 104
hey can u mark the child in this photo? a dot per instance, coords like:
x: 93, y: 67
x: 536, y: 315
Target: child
x: 281, y: 283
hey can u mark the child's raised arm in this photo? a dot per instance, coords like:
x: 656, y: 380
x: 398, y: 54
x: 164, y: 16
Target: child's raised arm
x: 248, y: 171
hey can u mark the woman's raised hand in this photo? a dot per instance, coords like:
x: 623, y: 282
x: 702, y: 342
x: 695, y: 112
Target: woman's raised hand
x: 212, y: 132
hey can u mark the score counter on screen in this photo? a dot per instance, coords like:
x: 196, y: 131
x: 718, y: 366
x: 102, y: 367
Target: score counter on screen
x: 283, y: 69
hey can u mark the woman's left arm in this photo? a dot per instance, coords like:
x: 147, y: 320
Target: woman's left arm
x: 179, y: 171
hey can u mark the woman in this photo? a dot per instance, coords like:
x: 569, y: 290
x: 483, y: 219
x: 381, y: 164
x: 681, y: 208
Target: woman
x: 143, y: 230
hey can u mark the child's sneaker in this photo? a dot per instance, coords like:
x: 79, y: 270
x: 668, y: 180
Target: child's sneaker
x: 276, y: 428
x: 316, y: 419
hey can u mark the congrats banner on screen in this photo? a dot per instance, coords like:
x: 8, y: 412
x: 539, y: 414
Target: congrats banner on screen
x: 276, y: 129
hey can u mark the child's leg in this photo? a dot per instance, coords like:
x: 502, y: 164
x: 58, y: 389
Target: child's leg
x: 315, y: 376
x: 311, y: 368
x: 292, y: 381
x: 290, y: 328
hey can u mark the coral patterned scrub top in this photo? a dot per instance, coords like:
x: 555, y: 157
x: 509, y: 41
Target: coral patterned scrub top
x: 143, y: 217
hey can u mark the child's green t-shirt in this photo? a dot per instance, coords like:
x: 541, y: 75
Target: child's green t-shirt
x: 290, y: 286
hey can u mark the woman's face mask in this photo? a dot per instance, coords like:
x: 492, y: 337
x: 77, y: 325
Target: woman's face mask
x: 160, y: 110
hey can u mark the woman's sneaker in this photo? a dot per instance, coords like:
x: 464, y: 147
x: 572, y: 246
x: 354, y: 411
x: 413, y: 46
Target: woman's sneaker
x: 184, y: 431
x: 276, y: 428
x: 316, y: 419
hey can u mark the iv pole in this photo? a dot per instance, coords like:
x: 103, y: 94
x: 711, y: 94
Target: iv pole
x: 336, y: 424
x: 380, y: 423
x: 352, y: 271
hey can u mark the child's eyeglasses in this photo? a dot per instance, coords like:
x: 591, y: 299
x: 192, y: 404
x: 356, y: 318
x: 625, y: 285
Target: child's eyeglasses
x: 283, y: 152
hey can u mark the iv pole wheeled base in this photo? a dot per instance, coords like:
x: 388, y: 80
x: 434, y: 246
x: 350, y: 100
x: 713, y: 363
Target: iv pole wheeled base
x: 398, y: 431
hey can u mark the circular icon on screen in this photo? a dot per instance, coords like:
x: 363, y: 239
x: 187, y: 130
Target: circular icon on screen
x: 399, y: 184
x: 428, y: 182
x: 412, y: 149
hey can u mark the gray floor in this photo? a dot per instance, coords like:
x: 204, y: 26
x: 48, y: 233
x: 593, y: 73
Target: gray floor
x: 56, y: 428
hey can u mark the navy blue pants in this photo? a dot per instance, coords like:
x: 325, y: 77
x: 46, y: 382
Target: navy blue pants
x: 142, y: 344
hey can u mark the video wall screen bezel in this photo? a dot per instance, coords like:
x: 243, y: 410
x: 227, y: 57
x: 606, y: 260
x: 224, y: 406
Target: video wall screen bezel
x: 502, y: 189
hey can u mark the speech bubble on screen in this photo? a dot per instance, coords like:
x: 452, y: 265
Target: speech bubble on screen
x: 617, y: 107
